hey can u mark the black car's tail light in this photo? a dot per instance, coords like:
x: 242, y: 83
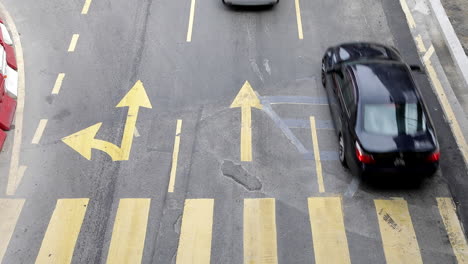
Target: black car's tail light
x: 434, y: 156
x: 362, y: 156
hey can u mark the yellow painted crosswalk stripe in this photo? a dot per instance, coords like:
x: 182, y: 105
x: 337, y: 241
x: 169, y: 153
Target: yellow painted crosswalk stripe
x: 398, y: 236
x: 454, y: 230
x: 10, y: 210
x: 260, y: 245
x: 61, y: 235
x: 328, y: 230
x: 128, y: 236
x: 195, y: 236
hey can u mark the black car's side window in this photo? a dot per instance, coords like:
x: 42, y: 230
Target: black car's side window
x: 334, y: 60
x: 329, y: 58
x: 347, y: 92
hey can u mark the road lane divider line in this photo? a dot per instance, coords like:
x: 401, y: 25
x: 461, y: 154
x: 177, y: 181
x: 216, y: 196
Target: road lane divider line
x: 328, y: 230
x: 175, y: 157
x: 191, y: 18
x: 428, y: 54
x: 85, y: 9
x: 318, y: 163
x: 128, y: 236
x: 196, y: 232
x: 58, y: 83
x: 260, y: 245
x: 408, y: 14
x: 62, y: 232
x: 39, y: 131
x: 398, y: 236
x: 420, y: 44
x: 73, y: 42
x: 10, y: 210
x: 299, y: 19
x: 454, y: 230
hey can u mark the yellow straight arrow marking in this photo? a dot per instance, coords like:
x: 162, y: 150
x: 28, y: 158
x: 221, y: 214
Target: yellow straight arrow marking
x: 84, y: 141
x: 246, y: 99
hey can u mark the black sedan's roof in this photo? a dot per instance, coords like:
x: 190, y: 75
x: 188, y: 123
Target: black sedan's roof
x: 383, y: 82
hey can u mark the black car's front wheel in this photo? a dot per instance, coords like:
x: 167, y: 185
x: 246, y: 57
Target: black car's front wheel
x: 323, y: 75
x: 341, y: 151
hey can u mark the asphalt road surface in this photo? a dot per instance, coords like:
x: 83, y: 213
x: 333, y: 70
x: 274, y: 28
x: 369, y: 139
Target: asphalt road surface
x: 185, y: 188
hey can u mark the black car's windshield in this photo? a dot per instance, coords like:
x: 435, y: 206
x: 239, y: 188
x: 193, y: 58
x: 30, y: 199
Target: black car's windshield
x: 394, y: 119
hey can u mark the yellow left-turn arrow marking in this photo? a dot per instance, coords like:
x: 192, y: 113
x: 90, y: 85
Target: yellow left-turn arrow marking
x: 246, y: 99
x: 84, y: 141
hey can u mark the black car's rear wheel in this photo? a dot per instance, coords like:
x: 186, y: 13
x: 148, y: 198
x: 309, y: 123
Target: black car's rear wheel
x: 342, y: 151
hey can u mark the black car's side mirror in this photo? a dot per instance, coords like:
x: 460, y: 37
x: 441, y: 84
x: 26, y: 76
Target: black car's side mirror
x: 416, y: 68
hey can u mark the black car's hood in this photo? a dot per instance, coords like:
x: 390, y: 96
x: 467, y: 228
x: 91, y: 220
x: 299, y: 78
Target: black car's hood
x: 423, y: 142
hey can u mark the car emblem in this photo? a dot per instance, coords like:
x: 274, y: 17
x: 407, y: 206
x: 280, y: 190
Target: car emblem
x: 399, y: 161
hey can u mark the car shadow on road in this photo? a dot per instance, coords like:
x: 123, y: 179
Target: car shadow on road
x: 250, y: 9
x: 394, y: 183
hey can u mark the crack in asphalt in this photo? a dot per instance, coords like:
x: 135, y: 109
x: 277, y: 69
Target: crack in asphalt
x: 237, y: 173
x: 141, y: 40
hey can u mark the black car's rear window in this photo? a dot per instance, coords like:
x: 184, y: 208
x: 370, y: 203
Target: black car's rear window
x: 356, y: 52
x: 394, y: 119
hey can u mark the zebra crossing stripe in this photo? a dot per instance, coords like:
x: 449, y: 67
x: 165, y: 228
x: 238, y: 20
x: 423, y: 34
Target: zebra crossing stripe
x: 398, y: 236
x: 328, y: 230
x: 454, y: 230
x: 128, y: 236
x: 62, y: 232
x: 196, y: 232
x: 260, y: 244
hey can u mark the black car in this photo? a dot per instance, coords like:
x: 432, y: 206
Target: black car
x: 251, y: 2
x: 382, y: 123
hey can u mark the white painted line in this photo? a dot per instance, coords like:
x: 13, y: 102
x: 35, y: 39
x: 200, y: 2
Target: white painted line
x: 10, y: 211
x: 86, y: 7
x: 299, y: 19
x: 73, y: 42
x: 13, y: 175
x: 190, y: 26
x: 39, y: 131
x: 136, y: 133
x: 453, y: 43
x: 428, y: 54
x: 420, y: 44
x: 13, y: 185
x: 58, y: 83
x: 409, y: 16
x: 175, y: 156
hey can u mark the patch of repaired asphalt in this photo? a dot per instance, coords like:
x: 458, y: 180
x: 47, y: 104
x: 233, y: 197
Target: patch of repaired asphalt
x: 238, y: 174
